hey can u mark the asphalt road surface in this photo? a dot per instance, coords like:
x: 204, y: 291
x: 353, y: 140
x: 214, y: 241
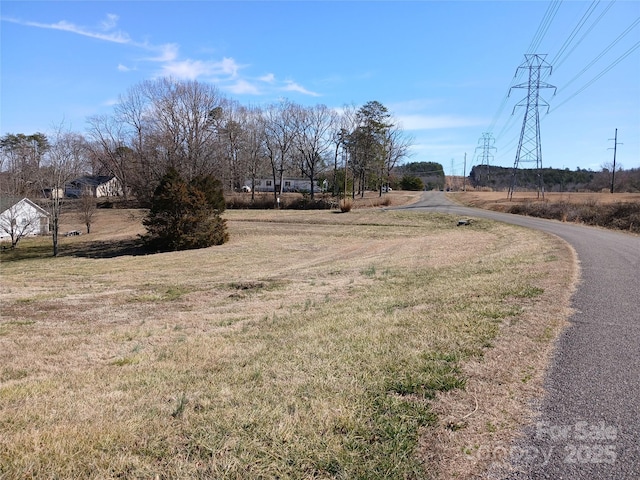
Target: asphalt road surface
x: 589, y: 418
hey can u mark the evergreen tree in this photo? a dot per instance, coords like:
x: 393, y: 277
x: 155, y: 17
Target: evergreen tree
x: 185, y: 215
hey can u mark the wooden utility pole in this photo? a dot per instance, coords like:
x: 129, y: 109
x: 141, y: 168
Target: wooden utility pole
x: 464, y: 173
x: 615, y: 148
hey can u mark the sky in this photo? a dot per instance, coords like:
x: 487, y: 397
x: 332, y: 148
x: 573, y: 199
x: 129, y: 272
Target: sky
x: 443, y: 69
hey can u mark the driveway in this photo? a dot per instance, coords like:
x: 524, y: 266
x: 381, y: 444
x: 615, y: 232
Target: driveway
x: 589, y: 418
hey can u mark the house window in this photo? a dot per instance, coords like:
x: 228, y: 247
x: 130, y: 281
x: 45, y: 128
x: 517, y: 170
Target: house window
x: 287, y: 183
x: 268, y: 183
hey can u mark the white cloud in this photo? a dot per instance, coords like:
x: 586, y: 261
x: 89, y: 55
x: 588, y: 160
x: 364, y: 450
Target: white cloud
x: 229, y: 67
x: 110, y: 22
x: 291, y: 86
x: 225, y: 71
x: 193, y: 69
x: 268, y: 78
x: 243, y: 87
x: 166, y: 53
x: 186, y: 69
x: 63, y: 25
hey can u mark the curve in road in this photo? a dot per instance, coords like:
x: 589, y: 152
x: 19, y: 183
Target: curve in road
x: 588, y: 425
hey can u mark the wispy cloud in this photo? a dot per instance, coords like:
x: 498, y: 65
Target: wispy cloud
x: 104, y: 32
x: 110, y: 22
x: 225, y: 71
x: 164, y: 53
x: 268, y: 78
x: 193, y: 69
x: 243, y: 87
x: 291, y: 86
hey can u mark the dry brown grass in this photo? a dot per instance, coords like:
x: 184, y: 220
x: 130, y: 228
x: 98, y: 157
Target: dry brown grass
x: 499, y: 201
x: 309, y: 346
x: 616, y: 212
x: 478, y: 424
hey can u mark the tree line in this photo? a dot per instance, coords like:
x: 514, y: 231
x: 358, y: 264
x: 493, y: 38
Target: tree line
x: 191, y: 127
x: 556, y: 179
x: 191, y: 131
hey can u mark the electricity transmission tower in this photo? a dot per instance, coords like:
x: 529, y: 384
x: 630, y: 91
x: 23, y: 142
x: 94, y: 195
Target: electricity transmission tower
x: 486, y: 157
x: 529, y: 149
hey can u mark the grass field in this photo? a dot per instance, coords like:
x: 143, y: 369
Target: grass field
x: 499, y: 200
x: 370, y: 344
x: 620, y: 211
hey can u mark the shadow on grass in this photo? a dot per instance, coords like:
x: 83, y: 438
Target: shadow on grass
x: 108, y: 249
x: 89, y: 249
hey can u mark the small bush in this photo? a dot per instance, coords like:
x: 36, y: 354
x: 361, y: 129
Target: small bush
x: 345, y: 205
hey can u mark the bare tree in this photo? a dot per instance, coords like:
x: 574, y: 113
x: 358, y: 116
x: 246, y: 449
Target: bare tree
x: 64, y: 161
x: 232, y: 144
x: 87, y: 209
x: 161, y: 124
x: 313, y: 139
x: 109, y: 149
x: 131, y: 113
x: 185, y: 120
x: 397, y: 144
x: 254, y: 151
x: 279, y: 137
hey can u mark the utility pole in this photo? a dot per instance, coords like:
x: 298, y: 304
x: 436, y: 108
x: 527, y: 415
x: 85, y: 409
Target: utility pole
x: 529, y: 148
x: 464, y: 173
x: 615, y: 148
x: 487, y: 141
x: 452, y: 181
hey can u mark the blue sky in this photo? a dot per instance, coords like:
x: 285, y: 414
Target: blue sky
x: 443, y: 69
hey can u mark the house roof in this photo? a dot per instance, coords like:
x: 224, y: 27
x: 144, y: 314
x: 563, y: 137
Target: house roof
x: 7, y: 202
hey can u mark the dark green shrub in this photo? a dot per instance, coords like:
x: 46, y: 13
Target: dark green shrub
x: 185, y: 215
x: 411, y: 182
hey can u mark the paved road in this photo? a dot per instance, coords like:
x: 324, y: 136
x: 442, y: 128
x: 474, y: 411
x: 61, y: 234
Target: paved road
x: 589, y: 425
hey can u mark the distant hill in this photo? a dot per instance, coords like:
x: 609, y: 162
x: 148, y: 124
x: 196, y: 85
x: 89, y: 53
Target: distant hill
x: 555, y: 179
x: 430, y: 173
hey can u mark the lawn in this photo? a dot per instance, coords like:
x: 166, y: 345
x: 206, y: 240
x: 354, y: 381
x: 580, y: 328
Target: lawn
x: 311, y: 345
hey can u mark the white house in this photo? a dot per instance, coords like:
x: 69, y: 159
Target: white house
x: 288, y: 185
x: 95, y: 186
x: 20, y: 218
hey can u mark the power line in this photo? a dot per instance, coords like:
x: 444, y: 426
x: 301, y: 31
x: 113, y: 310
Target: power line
x: 560, y: 61
x: 541, y: 31
x: 575, y: 31
x: 604, y: 52
x: 549, y: 15
x: 597, y: 77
